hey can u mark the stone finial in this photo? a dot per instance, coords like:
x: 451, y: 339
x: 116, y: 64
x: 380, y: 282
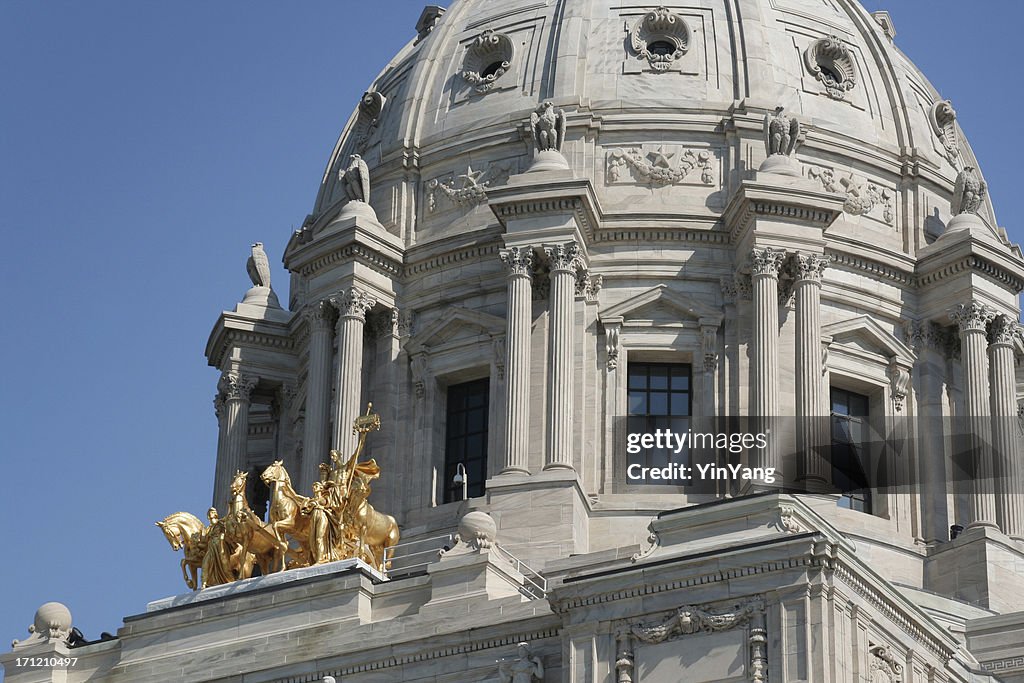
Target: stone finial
x: 969, y: 192
x: 547, y: 126
x: 52, y: 623
x: 477, y: 532
x: 781, y: 137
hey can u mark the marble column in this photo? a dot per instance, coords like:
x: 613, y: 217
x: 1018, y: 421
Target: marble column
x: 315, y: 442
x: 765, y: 265
x: 237, y: 389
x: 972, y: 319
x: 563, y: 260
x: 1005, y: 441
x: 352, y: 305
x: 807, y: 271
x: 515, y: 447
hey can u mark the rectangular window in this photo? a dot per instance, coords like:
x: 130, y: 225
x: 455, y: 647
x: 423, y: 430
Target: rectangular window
x: 466, y: 438
x: 659, y: 398
x: 850, y: 457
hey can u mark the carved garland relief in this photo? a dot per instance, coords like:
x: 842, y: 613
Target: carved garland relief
x: 862, y: 195
x: 469, y: 188
x: 658, y: 167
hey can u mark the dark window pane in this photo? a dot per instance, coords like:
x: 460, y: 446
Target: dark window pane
x: 466, y: 437
x: 680, y: 379
x: 680, y: 404
x: 659, y: 376
x: 637, y: 403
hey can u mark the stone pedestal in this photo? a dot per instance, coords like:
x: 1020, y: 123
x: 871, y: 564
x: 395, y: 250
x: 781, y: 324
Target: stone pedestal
x: 981, y: 567
x: 460, y: 580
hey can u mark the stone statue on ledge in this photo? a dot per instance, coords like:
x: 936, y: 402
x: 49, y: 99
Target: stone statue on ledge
x: 781, y: 137
x: 526, y: 668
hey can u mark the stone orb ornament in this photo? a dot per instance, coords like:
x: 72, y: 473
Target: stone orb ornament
x: 52, y: 621
x: 478, y: 530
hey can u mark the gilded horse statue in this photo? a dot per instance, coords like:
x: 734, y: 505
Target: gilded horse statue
x: 286, y: 516
x: 373, y: 531
x: 183, y: 530
x: 244, y: 528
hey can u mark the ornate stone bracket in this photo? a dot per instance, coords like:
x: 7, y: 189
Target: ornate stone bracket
x: 653, y: 542
x: 884, y: 667
x: 612, y: 346
x: 942, y: 117
x: 420, y: 365
x: 657, y: 167
x: 899, y: 384
x: 788, y: 523
x: 469, y: 188
x: 709, y: 346
x: 831, y: 62
x: 371, y: 105
x: 661, y: 37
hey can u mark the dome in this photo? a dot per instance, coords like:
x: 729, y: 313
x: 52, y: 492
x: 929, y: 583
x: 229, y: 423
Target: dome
x: 680, y: 88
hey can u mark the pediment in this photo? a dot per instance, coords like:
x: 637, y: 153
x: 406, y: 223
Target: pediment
x: 865, y: 334
x: 663, y: 305
x: 455, y: 327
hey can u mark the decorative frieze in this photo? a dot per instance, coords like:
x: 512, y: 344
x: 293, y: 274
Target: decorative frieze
x: 689, y: 619
x: 862, y: 195
x: 658, y: 167
x: 469, y: 188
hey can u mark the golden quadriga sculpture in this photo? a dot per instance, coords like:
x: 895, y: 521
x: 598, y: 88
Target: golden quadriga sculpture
x: 336, y: 523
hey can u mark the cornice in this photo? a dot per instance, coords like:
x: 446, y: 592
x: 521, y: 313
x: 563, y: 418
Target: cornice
x: 233, y: 329
x: 793, y: 201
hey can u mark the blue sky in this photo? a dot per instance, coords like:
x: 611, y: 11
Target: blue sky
x: 143, y: 147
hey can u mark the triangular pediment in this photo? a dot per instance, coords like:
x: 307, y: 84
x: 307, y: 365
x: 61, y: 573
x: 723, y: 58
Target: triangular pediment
x: 865, y: 334
x: 455, y: 326
x: 662, y: 304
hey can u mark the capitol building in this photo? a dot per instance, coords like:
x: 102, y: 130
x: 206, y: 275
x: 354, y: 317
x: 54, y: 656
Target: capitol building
x: 555, y: 236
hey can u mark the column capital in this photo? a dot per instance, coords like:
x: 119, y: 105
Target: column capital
x: 767, y: 261
x: 972, y: 316
x: 1003, y: 330
x: 237, y: 386
x: 563, y: 257
x: 518, y: 261
x: 319, y: 314
x: 808, y: 267
x: 352, y: 303
x: 587, y: 285
x: 218, y: 404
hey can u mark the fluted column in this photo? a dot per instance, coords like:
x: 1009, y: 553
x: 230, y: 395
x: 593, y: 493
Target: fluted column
x: 236, y: 389
x: 352, y: 305
x: 807, y: 271
x: 519, y: 262
x: 1005, y: 441
x: 972, y: 319
x: 764, y: 275
x: 563, y: 259
x: 315, y: 441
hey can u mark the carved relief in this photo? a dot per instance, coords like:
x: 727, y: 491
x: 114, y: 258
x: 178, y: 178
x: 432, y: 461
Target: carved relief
x: 420, y: 366
x: 653, y: 540
x: 788, y: 522
x: 588, y: 286
x: 831, y: 62
x: 659, y: 167
x: 709, y: 347
x: 899, y: 385
x: 862, y: 196
x: 688, y: 620
x: 942, y: 117
x: 370, y: 107
x: 469, y: 188
x: 488, y: 57
x: 884, y: 667
x: 661, y: 37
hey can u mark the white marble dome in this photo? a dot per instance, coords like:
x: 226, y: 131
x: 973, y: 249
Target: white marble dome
x: 871, y: 117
